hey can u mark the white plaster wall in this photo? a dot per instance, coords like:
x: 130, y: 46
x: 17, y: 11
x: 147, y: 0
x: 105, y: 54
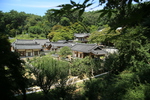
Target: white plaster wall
x: 111, y: 50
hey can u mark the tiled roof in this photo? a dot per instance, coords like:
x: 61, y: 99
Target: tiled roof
x: 55, y: 45
x: 27, y: 46
x: 81, y: 34
x: 87, y: 48
x: 99, y: 52
x: 70, y: 40
x: 18, y: 41
x: 41, y: 41
x: 62, y: 41
x: 48, y: 43
x: 83, y: 47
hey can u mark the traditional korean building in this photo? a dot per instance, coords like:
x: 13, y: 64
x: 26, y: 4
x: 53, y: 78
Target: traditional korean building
x: 27, y: 47
x: 42, y: 42
x: 81, y: 37
x: 92, y: 50
x: 54, y: 46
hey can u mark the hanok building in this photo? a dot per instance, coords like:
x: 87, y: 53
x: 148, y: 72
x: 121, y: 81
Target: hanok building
x: 27, y: 47
x: 92, y: 50
x: 55, y: 46
x: 42, y: 42
x: 81, y: 37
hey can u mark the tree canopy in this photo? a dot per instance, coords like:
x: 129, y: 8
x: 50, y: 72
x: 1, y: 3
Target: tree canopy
x: 11, y: 72
x: 64, y: 51
x: 48, y: 72
x: 129, y: 68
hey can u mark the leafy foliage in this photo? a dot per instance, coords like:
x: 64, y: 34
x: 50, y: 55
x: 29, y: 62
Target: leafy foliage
x: 128, y: 76
x: 64, y: 51
x: 129, y: 67
x: 48, y: 72
x: 11, y: 72
x: 60, y: 33
x: 85, y: 67
x: 103, y: 36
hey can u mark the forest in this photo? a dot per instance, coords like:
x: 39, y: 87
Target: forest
x: 13, y: 24
x: 128, y: 70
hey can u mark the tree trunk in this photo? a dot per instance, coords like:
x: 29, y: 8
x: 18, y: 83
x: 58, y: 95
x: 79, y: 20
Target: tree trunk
x: 92, y: 72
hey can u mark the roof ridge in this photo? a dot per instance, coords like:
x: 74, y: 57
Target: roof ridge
x: 27, y: 44
x: 96, y: 47
x: 85, y: 44
x: 24, y: 39
x: 93, y: 47
x: 41, y: 39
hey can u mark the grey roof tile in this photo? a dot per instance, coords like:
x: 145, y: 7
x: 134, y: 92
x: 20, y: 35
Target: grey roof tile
x: 18, y: 41
x: 83, y: 47
x: 81, y: 34
x: 87, y: 48
x: 62, y: 41
x: 99, y: 52
x: 55, y: 45
x: 41, y: 41
x: 28, y: 46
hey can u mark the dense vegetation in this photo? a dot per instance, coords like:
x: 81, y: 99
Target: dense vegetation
x: 129, y: 69
x: 19, y: 25
x: 128, y: 76
x: 15, y: 23
x: 11, y: 72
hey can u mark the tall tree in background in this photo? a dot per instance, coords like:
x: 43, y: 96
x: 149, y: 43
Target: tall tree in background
x: 104, y: 36
x: 14, y: 22
x: 59, y: 32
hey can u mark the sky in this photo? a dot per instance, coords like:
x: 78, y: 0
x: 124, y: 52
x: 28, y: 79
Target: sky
x: 38, y: 7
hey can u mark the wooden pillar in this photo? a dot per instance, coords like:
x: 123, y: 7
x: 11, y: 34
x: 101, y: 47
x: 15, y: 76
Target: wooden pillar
x: 33, y: 53
x: 78, y: 54
x: 38, y: 52
x: 82, y: 55
x: 25, y: 53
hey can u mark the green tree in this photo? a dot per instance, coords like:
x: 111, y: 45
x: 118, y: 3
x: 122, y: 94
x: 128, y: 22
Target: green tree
x: 64, y: 51
x: 104, y: 36
x: 59, y: 32
x: 49, y: 73
x: 65, y: 21
x: 11, y: 72
x: 91, y: 18
x: 35, y: 29
x: 37, y: 25
x: 54, y: 30
x: 77, y: 27
x: 52, y: 19
x: 85, y: 67
x: 14, y: 22
x: 129, y: 69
